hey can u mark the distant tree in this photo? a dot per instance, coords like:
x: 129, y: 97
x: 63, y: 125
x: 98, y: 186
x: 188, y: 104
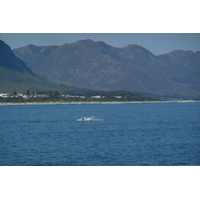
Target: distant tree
x: 53, y: 93
x: 27, y: 92
x: 15, y: 93
x: 56, y: 93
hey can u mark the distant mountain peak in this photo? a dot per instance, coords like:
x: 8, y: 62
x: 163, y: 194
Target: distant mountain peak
x: 83, y: 42
x: 33, y: 48
x: 137, y: 48
x: 180, y: 51
x: 134, y: 46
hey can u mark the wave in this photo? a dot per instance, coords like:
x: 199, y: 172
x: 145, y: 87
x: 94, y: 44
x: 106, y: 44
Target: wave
x: 89, y: 119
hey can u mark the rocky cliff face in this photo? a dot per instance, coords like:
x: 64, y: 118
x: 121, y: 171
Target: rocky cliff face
x: 132, y: 68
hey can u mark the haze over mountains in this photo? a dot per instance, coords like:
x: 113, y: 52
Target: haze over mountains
x: 96, y: 65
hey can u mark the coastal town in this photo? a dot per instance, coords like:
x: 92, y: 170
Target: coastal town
x: 22, y: 95
x: 86, y: 96
x: 28, y: 96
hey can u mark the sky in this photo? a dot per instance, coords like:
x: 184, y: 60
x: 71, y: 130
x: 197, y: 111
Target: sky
x: 157, y: 43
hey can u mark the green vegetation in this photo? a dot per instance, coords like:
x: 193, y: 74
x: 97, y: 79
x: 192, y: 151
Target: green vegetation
x: 11, y: 80
x: 70, y: 96
x: 78, y: 86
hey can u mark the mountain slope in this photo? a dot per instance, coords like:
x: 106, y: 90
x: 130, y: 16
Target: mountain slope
x: 15, y: 75
x: 132, y: 68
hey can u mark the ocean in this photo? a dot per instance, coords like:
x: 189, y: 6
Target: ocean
x: 124, y: 134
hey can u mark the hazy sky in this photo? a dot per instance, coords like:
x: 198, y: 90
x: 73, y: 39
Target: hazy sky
x: 157, y: 43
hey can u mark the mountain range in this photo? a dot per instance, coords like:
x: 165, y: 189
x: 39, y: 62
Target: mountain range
x: 16, y: 76
x: 97, y: 65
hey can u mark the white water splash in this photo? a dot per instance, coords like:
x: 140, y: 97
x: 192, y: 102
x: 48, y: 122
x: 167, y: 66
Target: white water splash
x: 89, y: 119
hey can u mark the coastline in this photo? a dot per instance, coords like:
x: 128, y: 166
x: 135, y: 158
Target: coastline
x: 93, y: 102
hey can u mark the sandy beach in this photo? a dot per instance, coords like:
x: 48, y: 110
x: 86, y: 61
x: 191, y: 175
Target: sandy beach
x: 94, y: 102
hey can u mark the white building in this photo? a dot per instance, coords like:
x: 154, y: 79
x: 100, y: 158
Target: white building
x: 4, y: 95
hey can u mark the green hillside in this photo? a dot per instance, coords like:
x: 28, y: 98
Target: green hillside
x: 11, y: 80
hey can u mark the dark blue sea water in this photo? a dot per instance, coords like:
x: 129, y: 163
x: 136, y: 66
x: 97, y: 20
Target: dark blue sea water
x: 155, y: 134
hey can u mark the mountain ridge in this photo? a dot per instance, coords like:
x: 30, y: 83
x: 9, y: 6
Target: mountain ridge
x: 131, y: 68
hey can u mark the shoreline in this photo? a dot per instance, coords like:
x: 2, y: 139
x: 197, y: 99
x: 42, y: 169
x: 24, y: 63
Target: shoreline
x: 93, y: 102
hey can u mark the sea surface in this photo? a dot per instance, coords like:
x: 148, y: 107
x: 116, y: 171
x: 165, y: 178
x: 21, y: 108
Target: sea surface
x: 132, y: 134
